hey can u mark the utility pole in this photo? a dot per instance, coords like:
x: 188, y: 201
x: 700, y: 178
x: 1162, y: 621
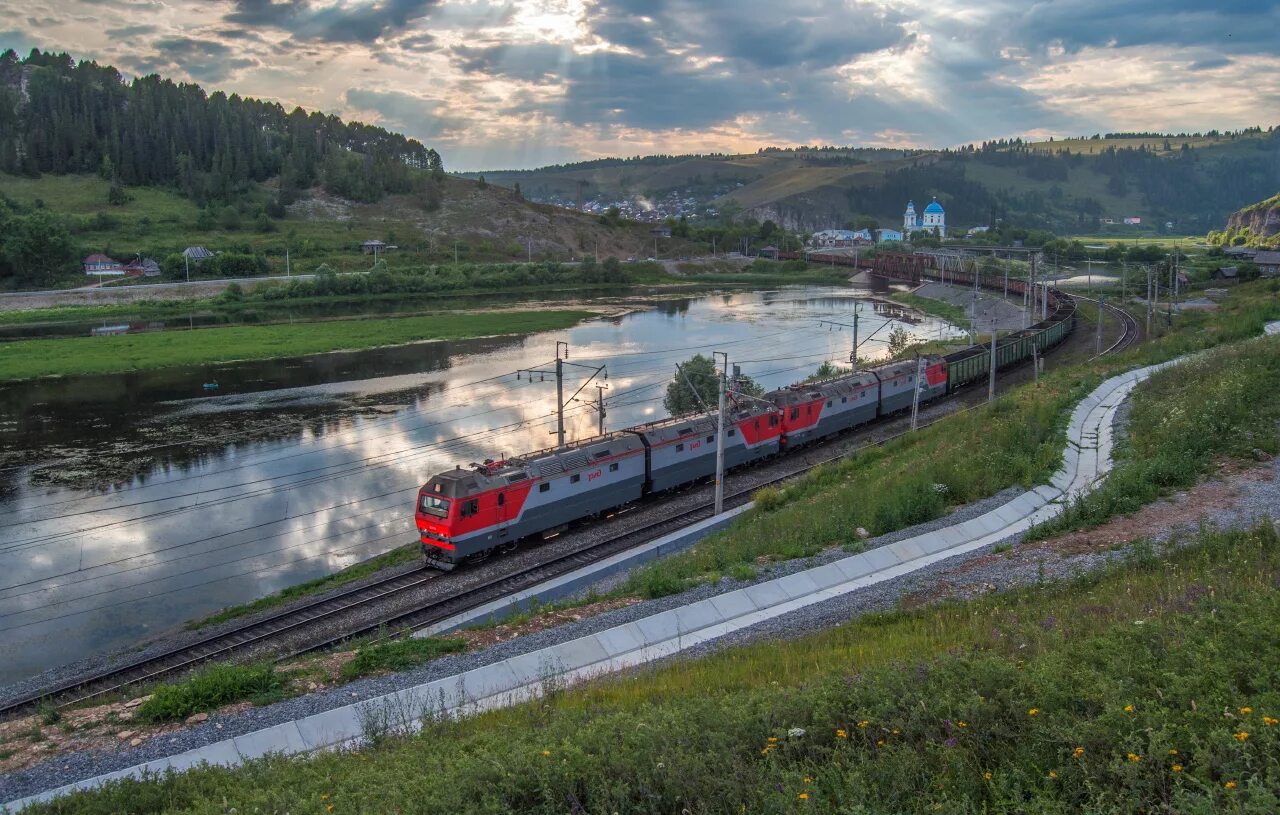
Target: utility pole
x: 1032, y: 281
x: 1035, y: 360
x: 1097, y: 335
x: 455, y: 253
x: 1168, y: 297
x: 1006, y: 281
x: 915, y: 398
x: 719, y: 501
x: 1150, y: 298
x: 991, y: 379
x: 558, y: 372
x: 186, y: 261
x: 600, y: 410
x: 287, y: 271
x: 560, y: 393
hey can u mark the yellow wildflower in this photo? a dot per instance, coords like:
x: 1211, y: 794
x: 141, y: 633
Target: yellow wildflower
x: 1270, y: 722
x: 1128, y: 708
x: 1177, y: 768
x: 1135, y: 758
x: 808, y: 780
x: 840, y: 734
x: 987, y: 775
x: 896, y: 731
x: 1035, y: 711
x: 863, y: 723
x: 1230, y: 785
x: 1079, y: 751
x: 804, y: 796
x: 1241, y: 737
x: 880, y: 743
x: 962, y: 723
x: 773, y: 739
x: 1053, y: 774
x: 324, y: 797
x: 1173, y: 752
x: 546, y: 752
x: 1245, y: 711
x: 330, y: 808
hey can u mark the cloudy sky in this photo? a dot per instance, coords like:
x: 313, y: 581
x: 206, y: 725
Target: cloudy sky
x: 519, y: 83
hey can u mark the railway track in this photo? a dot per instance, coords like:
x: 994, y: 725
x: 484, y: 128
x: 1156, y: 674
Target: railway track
x: 1132, y: 328
x: 331, y: 608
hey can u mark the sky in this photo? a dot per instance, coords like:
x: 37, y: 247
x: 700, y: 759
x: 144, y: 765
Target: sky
x: 522, y: 83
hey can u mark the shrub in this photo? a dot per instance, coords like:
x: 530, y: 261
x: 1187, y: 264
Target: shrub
x: 398, y: 655
x: 209, y: 689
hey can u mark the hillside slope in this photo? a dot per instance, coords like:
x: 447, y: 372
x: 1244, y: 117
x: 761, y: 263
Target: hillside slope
x: 1068, y: 186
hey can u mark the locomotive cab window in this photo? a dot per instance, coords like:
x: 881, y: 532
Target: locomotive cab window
x: 795, y: 413
x: 470, y: 508
x: 435, y: 506
x: 613, y: 468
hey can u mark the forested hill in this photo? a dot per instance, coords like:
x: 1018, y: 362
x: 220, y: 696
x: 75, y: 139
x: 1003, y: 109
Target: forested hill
x: 59, y: 116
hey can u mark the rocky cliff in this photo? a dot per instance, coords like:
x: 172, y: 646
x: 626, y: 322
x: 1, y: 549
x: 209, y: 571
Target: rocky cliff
x: 1261, y: 219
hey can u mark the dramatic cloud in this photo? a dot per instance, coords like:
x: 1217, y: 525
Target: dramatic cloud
x: 334, y: 22
x: 521, y: 82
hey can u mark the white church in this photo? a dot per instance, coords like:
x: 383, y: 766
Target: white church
x: 935, y: 217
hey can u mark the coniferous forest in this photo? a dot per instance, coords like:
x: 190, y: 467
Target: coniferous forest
x: 59, y: 116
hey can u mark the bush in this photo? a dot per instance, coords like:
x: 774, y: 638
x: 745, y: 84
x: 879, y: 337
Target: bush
x: 208, y: 690
x: 399, y: 655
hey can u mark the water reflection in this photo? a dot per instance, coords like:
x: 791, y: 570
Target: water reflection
x: 299, y: 467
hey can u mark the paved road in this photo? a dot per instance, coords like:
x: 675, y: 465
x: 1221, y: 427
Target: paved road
x: 96, y: 295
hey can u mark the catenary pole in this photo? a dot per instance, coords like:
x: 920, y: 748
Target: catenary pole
x: 719, y: 502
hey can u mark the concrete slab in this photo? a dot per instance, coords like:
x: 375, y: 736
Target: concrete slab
x: 860, y: 565
x: 907, y: 550
x: 797, y: 585
x: 765, y: 595
x: 696, y: 616
x: 733, y: 604
x: 580, y: 653
x: 496, y: 678
x: 283, y: 738
x: 620, y: 640
x: 658, y: 628
x: 882, y: 557
x: 824, y: 577
x: 330, y: 727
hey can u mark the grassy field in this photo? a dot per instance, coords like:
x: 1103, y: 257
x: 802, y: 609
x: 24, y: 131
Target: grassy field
x: 938, y: 308
x: 1047, y: 699
x: 26, y: 359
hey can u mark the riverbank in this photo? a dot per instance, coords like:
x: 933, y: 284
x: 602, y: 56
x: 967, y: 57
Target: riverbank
x: 29, y: 359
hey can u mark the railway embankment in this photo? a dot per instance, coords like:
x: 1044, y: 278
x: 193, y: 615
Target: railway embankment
x: 996, y: 568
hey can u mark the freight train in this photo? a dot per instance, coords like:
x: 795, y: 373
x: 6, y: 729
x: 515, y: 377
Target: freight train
x: 491, y: 507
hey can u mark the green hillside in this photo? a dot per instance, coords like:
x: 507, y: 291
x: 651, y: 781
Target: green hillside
x: 1067, y: 186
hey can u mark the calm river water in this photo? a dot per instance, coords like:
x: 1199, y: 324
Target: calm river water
x: 129, y: 504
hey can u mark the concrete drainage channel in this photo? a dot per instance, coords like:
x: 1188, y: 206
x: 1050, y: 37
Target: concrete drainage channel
x: 1086, y: 460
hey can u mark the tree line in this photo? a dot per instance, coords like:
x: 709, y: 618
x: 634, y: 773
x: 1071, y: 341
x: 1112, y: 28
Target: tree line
x: 62, y: 116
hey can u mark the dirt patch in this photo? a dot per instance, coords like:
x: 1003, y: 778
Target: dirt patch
x: 484, y: 637
x: 1179, y: 510
x: 1182, y: 510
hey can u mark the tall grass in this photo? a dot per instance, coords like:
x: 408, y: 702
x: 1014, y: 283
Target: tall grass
x: 209, y: 689
x: 1059, y: 699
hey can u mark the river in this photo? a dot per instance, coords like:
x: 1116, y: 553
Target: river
x: 131, y: 503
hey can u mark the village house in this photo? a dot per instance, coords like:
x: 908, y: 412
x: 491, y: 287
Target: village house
x: 1226, y: 273
x: 1268, y: 263
x: 373, y: 247
x: 102, y: 266
x: 142, y: 267
x: 196, y: 253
